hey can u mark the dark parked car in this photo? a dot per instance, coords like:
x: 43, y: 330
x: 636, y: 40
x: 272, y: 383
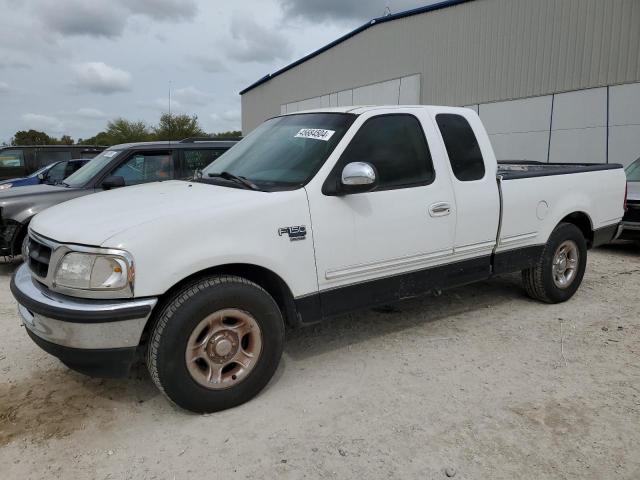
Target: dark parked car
x: 53, y: 174
x: 21, y: 161
x: 630, y: 226
x: 118, y: 166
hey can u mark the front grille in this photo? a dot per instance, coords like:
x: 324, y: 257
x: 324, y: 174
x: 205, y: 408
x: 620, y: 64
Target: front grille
x: 39, y: 257
x: 633, y: 212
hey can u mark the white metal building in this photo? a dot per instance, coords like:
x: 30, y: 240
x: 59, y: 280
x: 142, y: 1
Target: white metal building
x: 553, y: 80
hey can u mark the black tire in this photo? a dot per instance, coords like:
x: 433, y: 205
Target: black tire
x: 183, y: 312
x: 539, y: 280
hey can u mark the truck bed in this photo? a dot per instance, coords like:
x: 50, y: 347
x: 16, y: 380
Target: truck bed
x: 515, y: 169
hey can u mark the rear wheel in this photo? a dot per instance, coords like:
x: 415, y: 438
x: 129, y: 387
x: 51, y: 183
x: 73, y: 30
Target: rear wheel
x: 216, y: 344
x: 559, y: 271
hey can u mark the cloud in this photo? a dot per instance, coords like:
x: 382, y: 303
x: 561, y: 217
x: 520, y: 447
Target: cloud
x: 208, y: 64
x: 4, y: 87
x: 107, y: 19
x: 191, y: 96
x: 255, y: 43
x: 98, y: 77
x: 162, y: 105
x: 90, y: 113
x: 39, y: 121
x: 225, y: 121
x: 79, y: 17
x: 8, y: 64
x: 164, y: 10
x: 345, y: 10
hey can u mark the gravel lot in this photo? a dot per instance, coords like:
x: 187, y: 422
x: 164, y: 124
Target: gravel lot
x: 474, y: 381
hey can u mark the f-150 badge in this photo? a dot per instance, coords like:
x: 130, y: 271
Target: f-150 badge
x: 298, y: 232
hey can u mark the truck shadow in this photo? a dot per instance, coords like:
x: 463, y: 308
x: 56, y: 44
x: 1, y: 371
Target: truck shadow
x: 628, y: 249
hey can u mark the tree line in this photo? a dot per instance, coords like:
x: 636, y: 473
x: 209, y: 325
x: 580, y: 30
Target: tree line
x: 120, y: 130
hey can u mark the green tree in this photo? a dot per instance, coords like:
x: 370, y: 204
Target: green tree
x: 100, y: 139
x: 31, y: 137
x: 65, y: 140
x: 230, y: 135
x: 125, y: 131
x: 177, y: 127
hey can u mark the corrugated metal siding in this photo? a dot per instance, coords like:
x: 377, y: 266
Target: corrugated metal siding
x: 477, y: 52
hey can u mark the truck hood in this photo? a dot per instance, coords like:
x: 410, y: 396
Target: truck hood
x: 93, y: 220
x: 11, y: 194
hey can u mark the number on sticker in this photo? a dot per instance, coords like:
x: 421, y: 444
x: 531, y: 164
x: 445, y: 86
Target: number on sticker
x: 315, y: 133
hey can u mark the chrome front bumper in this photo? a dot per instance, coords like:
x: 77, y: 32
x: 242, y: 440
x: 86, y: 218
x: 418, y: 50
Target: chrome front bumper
x: 78, y: 323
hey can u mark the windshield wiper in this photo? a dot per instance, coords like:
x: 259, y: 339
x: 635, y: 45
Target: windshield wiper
x: 235, y: 178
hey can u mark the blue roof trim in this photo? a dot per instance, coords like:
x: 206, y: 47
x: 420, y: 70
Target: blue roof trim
x: 369, y: 24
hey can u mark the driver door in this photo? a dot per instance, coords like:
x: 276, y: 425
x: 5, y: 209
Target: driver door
x: 369, y: 246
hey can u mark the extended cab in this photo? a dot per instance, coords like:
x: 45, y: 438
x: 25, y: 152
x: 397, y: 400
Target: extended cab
x: 312, y: 215
x: 118, y: 166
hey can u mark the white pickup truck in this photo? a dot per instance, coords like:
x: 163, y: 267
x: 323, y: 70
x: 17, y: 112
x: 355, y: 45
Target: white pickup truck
x: 312, y: 215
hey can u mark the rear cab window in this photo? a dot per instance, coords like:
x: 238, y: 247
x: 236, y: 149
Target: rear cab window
x: 462, y: 147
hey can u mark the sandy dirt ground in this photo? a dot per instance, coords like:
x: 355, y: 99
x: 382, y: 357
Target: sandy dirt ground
x: 479, y: 383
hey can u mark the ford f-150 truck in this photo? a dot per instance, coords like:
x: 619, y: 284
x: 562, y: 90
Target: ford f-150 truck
x: 312, y: 215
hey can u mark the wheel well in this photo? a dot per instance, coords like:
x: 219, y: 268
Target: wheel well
x: 583, y: 222
x: 18, y: 236
x: 270, y: 281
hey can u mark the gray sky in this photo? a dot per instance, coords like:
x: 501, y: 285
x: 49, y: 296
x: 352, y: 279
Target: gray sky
x: 68, y: 66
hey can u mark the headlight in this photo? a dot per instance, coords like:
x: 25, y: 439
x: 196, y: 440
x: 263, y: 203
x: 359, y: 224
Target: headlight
x: 89, y: 271
x: 6, y: 185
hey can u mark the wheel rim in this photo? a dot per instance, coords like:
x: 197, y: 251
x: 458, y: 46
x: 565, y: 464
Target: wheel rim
x: 565, y: 264
x: 223, y: 348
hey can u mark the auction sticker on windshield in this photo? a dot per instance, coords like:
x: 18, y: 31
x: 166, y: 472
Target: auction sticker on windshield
x: 315, y: 133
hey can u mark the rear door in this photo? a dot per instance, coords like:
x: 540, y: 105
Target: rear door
x: 472, y: 166
x: 379, y: 246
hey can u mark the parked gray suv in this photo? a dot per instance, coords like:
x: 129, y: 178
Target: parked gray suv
x: 118, y: 166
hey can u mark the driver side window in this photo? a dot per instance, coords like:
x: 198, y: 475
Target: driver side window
x: 396, y: 146
x: 57, y: 173
x: 145, y: 168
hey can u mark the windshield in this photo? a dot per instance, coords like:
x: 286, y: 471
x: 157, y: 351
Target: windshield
x: 39, y: 171
x: 633, y: 171
x: 83, y: 175
x: 283, y: 152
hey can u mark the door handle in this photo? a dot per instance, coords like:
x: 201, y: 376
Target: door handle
x: 440, y: 209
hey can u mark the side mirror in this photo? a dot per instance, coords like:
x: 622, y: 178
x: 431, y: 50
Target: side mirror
x: 358, y: 177
x: 41, y: 177
x: 114, y: 181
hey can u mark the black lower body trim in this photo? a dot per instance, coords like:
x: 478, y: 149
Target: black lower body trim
x: 604, y: 235
x: 628, y: 234
x: 104, y: 363
x: 337, y: 301
x: 517, y: 259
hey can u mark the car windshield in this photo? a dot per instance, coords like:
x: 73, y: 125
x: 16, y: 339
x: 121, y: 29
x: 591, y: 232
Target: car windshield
x: 633, y: 171
x: 283, y: 152
x: 83, y: 175
x: 39, y: 171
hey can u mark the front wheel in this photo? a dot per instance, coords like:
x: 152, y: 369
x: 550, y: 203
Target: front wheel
x: 559, y: 271
x: 216, y: 344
